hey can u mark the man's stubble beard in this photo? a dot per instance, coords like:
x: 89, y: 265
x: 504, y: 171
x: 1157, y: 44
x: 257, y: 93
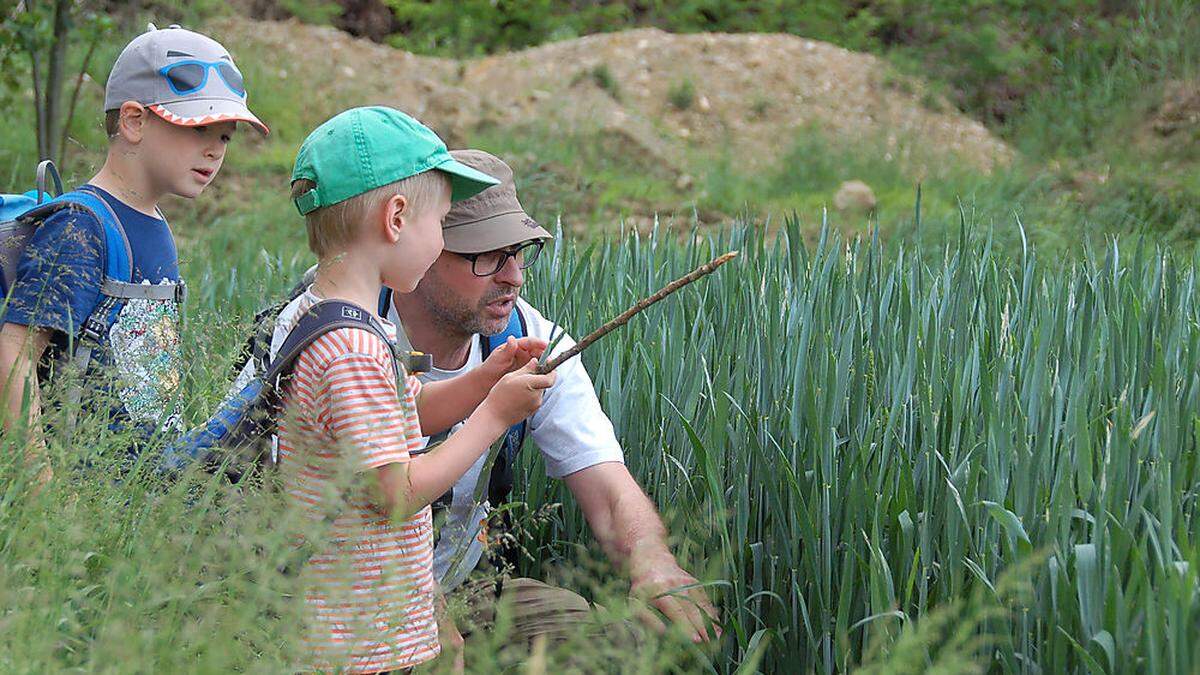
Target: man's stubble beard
x: 456, y: 316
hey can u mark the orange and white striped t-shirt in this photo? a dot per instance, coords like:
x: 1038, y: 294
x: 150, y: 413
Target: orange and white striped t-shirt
x: 370, y: 585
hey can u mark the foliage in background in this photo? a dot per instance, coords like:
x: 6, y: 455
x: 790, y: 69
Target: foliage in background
x: 1070, y: 83
x: 1091, y: 164
x: 41, y: 35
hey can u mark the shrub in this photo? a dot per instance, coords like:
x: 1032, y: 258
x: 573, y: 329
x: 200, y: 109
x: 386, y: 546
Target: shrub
x: 682, y: 95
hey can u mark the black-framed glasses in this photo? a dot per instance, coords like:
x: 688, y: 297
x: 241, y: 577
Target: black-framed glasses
x: 490, y: 262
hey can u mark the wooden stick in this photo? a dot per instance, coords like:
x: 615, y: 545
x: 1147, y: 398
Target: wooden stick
x: 622, y: 319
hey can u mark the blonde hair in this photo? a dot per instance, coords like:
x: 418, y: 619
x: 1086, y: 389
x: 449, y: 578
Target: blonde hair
x: 331, y: 227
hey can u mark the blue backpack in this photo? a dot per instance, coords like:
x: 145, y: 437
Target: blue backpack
x: 20, y: 216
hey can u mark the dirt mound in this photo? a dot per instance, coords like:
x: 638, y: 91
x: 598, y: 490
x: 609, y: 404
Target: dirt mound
x: 708, y: 90
x: 667, y: 97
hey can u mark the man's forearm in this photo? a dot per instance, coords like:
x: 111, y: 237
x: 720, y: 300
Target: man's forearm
x: 623, y: 519
x: 637, y: 536
x: 629, y: 529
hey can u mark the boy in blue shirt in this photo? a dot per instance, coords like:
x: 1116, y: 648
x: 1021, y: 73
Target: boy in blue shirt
x: 172, y: 104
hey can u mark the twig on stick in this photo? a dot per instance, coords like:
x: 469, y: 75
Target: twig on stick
x: 622, y: 319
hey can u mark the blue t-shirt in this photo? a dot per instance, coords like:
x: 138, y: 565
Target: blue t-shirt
x: 58, y: 278
x: 57, y: 286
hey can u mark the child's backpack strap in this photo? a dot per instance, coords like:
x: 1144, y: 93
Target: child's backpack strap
x: 324, y: 317
x: 385, y: 301
x: 321, y: 318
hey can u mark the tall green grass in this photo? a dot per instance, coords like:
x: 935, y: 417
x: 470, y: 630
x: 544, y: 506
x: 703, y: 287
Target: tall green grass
x: 850, y: 439
x: 850, y: 446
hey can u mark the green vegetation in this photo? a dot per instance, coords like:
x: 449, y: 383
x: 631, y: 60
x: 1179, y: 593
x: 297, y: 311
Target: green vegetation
x: 859, y: 447
x: 604, y: 79
x: 682, y: 95
x: 884, y: 450
x: 858, y: 437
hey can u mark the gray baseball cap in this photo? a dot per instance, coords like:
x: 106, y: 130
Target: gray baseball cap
x: 492, y: 219
x: 184, y: 77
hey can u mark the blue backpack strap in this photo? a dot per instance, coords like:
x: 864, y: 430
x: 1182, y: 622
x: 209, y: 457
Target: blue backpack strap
x: 118, y: 268
x: 118, y: 257
x: 385, y: 301
x: 500, y: 482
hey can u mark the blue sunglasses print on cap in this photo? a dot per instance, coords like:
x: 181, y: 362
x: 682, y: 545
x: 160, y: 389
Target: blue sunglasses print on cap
x: 190, y: 76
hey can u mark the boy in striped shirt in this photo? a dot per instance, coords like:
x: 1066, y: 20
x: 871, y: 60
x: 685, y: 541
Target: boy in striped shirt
x: 374, y: 185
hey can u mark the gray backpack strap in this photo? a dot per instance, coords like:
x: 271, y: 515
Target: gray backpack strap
x: 129, y: 291
x: 45, y: 169
x: 323, y: 317
x: 89, y: 338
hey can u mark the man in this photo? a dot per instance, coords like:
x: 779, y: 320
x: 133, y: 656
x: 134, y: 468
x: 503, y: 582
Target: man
x: 471, y: 290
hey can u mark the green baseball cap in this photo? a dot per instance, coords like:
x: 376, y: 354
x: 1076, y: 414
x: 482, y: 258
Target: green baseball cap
x: 361, y: 149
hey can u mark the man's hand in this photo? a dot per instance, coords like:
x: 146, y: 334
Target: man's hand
x: 511, y: 355
x: 678, y: 596
x: 627, y: 526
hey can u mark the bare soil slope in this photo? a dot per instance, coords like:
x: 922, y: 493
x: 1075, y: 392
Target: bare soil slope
x: 749, y: 94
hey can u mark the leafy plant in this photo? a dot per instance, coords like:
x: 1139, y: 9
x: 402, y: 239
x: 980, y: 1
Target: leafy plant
x: 604, y: 79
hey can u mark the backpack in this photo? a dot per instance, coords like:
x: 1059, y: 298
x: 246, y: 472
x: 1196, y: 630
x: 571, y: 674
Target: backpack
x: 22, y: 214
x: 239, y: 438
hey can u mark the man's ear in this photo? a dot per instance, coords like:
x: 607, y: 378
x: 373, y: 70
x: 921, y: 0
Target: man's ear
x: 395, y: 214
x: 131, y: 126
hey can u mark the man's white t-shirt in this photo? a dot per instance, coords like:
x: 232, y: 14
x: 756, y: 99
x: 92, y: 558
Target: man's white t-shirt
x: 570, y: 429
